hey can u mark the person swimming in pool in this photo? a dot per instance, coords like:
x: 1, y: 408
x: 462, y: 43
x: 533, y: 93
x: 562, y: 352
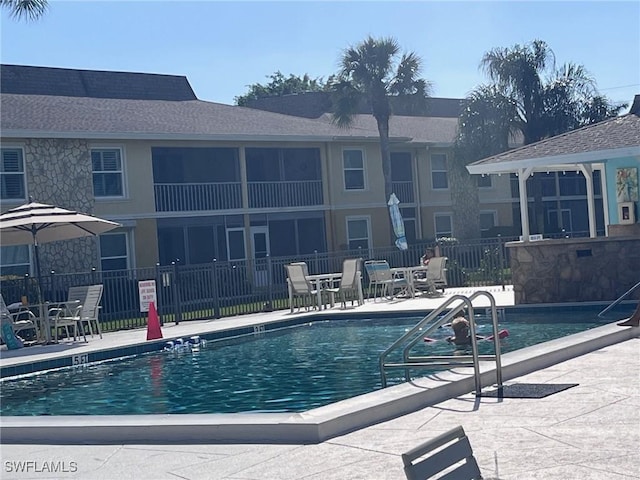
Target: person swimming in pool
x: 461, y: 332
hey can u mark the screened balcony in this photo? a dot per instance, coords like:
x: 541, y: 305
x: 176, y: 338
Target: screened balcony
x: 196, y: 179
x: 284, y: 177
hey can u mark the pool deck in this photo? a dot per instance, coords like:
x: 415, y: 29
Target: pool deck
x: 590, y: 431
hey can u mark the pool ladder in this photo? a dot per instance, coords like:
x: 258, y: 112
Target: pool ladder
x: 430, y: 323
x: 619, y: 299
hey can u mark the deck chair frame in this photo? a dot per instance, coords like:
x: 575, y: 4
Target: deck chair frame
x: 450, y: 449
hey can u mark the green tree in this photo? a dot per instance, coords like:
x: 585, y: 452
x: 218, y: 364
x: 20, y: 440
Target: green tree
x: 373, y: 71
x: 280, y: 85
x: 532, y: 98
x: 27, y: 9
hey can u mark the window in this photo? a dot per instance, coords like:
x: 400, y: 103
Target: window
x: 15, y: 260
x: 357, y: 233
x: 439, y: 178
x: 410, y: 225
x: 12, y: 184
x: 484, y: 181
x: 353, y: 161
x: 442, y: 223
x: 107, y: 172
x: 235, y: 244
x: 487, y: 221
x: 114, y: 251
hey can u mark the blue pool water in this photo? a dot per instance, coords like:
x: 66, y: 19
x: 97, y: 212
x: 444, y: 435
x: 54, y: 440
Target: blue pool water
x: 287, y: 370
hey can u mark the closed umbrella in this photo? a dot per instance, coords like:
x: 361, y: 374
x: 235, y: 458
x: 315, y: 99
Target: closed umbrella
x: 397, y: 222
x: 35, y: 223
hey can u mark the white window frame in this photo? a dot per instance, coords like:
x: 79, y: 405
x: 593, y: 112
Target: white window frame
x: 122, y: 171
x: 356, y: 218
x: 435, y: 224
x: 434, y: 171
x: 345, y: 169
x: 494, y: 215
x: 128, y: 246
x: 23, y: 173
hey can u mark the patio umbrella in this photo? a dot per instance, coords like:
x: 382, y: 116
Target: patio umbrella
x: 397, y: 222
x: 35, y: 223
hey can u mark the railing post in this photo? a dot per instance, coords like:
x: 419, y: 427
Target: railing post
x: 501, y: 263
x: 268, y: 307
x: 160, y: 290
x: 216, y: 296
x: 176, y: 294
x: 93, y: 275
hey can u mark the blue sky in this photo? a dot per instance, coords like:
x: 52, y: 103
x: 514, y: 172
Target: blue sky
x: 222, y: 47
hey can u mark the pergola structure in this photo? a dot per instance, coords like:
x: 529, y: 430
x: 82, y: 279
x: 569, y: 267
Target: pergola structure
x: 605, y: 145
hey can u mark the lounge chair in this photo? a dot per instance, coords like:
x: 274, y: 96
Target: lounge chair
x: 350, y: 283
x: 381, y: 277
x: 299, y: 287
x: 457, y: 455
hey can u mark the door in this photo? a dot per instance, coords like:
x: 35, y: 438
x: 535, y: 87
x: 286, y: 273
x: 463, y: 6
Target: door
x: 260, y: 250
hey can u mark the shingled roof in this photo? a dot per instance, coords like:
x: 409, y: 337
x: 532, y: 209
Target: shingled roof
x: 29, y: 80
x: 44, y: 102
x: 611, y: 138
x: 45, y: 116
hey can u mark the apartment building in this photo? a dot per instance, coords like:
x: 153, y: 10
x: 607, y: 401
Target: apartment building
x: 192, y: 181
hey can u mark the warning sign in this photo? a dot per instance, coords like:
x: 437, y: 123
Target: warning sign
x: 147, y: 292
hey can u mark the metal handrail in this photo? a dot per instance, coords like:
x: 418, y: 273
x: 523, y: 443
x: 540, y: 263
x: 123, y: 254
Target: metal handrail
x: 415, y: 333
x: 619, y: 299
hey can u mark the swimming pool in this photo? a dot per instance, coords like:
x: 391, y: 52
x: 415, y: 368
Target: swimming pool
x: 287, y: 370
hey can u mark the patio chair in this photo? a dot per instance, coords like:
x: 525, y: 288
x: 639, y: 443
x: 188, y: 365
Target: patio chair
x: 14, y: 323
x: 350, y: 283
x: 381, y: 277
x: 68, y: 314
x: 457, y: 456
x: 436, y: 276
x: 299, y: 286
x: 89, y: 298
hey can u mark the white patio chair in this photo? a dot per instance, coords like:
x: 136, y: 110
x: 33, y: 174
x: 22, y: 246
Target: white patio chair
x: 435, y: 277
x: 350, y: 283
x: 299, y: 287
x: 89, y: 298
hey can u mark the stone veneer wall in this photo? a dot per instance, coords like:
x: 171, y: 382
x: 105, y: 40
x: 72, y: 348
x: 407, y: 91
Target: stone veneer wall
x: 574, y: 270
x: 59, y: 172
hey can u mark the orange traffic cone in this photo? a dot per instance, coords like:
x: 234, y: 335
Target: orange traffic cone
x: 153, y: 324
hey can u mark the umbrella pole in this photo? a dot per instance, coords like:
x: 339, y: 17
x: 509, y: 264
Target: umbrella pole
x: 43, y: 320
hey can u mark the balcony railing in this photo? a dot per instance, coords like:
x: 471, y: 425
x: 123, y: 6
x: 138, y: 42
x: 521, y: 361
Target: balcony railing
x: 285, y: 194
x: 185, y: 197
x: 404, y: 191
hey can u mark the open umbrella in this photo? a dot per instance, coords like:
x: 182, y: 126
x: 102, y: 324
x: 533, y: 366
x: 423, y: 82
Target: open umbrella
x: 35, y: 223
x: 397, y: 222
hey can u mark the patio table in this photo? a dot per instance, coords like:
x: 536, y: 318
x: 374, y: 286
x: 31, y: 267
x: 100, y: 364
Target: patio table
x: 409, y: 273
x: 323, y: 280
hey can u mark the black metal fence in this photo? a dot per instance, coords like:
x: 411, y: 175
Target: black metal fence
x: 222, y: 289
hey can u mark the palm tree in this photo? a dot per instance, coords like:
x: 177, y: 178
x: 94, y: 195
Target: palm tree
x: 545, y: 101
x: 486, y: 127
x: 372, y: 72
x: 28, y: 9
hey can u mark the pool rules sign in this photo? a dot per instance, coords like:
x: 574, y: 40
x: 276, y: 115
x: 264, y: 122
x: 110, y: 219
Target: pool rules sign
x: 147, y: 293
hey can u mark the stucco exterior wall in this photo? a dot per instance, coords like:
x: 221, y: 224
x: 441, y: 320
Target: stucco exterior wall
x: 574, y: 270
